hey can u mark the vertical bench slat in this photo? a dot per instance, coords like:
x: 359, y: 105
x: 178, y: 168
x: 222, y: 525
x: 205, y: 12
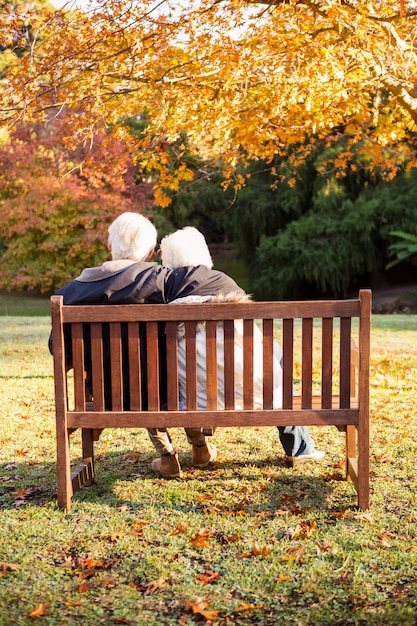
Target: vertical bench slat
x: 97, y: 365
x: 152, y: 358
x: 326, y: 362
x: 287, y: 362
x: 229, y: 364
x: 78, y: 363
x: 134, y: 366
x: 211, y: 365
x: 172, y: 366
x: 116, y: 367
x: 345, y: 346
x: 354, y: 368
x: 307, y: 363
x: 191, y: 365
x: 268, y: 363
x: 248, y: 372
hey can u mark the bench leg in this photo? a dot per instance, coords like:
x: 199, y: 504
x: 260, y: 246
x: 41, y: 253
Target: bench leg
x: 65, y: 490
x: 363, y: 465
x: 351, y: 443
x: 88, y: 438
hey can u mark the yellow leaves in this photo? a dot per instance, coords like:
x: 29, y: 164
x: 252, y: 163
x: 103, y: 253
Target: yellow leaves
x: 40, y: 610
x: 160, y: 198
x: 282, y: 578
x: 198, y: 74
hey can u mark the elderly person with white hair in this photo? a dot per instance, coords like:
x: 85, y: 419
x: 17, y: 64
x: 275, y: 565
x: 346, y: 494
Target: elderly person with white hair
x: 188, y: 247
x: 131, y: 277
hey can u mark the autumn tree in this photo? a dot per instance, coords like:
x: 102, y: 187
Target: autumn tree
x: 245, y: 80
x: 54, y: 217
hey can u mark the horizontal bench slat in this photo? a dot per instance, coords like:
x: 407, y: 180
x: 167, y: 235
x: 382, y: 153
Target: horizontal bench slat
x: 211, y: 311
x: 242, y: 418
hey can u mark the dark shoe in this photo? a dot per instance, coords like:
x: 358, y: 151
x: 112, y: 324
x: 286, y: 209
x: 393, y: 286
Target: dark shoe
x: 201, y: 456
x: 167, y: 466
x: 316, y: 455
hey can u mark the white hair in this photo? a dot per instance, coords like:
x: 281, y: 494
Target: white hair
x: 132, y: 236
x: 185, y: 247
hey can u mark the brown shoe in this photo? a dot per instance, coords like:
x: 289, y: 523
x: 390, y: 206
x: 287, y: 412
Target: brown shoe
x: 167, y: 466
x: 201, y: 456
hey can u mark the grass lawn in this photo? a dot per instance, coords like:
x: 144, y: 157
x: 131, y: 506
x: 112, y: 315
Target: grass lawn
x: 247, y: 541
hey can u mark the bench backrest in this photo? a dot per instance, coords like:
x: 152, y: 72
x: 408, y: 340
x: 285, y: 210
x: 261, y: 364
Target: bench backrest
x: 316, y: 338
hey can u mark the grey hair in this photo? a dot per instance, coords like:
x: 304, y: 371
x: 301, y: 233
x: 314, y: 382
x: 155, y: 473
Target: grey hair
x: 185, y: 247
x: 132, y: 236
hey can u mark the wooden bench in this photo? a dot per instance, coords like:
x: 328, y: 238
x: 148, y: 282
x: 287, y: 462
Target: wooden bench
x: 326, y: 355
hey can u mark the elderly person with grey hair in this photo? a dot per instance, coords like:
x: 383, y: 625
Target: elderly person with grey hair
x: 188, y: 246
x: 131, y: 277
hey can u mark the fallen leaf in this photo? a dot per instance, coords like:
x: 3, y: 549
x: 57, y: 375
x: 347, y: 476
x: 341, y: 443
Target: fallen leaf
x: 336, y: 476
x: 224, y: 539
x: 85, y: 587
x: 283, y: 578
x: 201, y: 538
x: 365, y: 517
x: 385, y: 538
x: 68, y: 563
x: 180, y: 529
x: 91, y: 563
x: 245, y: 606
x: 108, y: 582
x: 198, y: 607
x: 5, y: 567
x: 208, y: 577
x: 294, y: 553
x: 342, y: 514
x: 204, y: 497
x: 154, y: 585
x: 303, y: 530
x: 39, y: 610
x: 256, y: 551
x: 150, y: 587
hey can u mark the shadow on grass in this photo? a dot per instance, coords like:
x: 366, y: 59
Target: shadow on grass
x: 123, y: 482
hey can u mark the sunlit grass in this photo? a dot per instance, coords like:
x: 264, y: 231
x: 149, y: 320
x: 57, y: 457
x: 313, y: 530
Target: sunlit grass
x: 277, y: 544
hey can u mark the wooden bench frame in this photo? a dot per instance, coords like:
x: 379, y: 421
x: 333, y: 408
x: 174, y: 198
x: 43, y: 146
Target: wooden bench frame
x: 347, y: 408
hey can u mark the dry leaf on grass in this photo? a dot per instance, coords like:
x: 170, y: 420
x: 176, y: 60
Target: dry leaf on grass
x: 39, y: 610
x: 256, y: 551
x: 208, y: 577
x: 180, y: 529
x: 201, y: 538
x: 6, y: 567
x: 247, y: 606
x: 199, y: 607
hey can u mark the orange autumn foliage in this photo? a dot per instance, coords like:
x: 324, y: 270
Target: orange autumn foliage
x: 243, y: 79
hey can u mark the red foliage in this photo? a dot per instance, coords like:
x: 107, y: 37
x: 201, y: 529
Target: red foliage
x: 57, y: 202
